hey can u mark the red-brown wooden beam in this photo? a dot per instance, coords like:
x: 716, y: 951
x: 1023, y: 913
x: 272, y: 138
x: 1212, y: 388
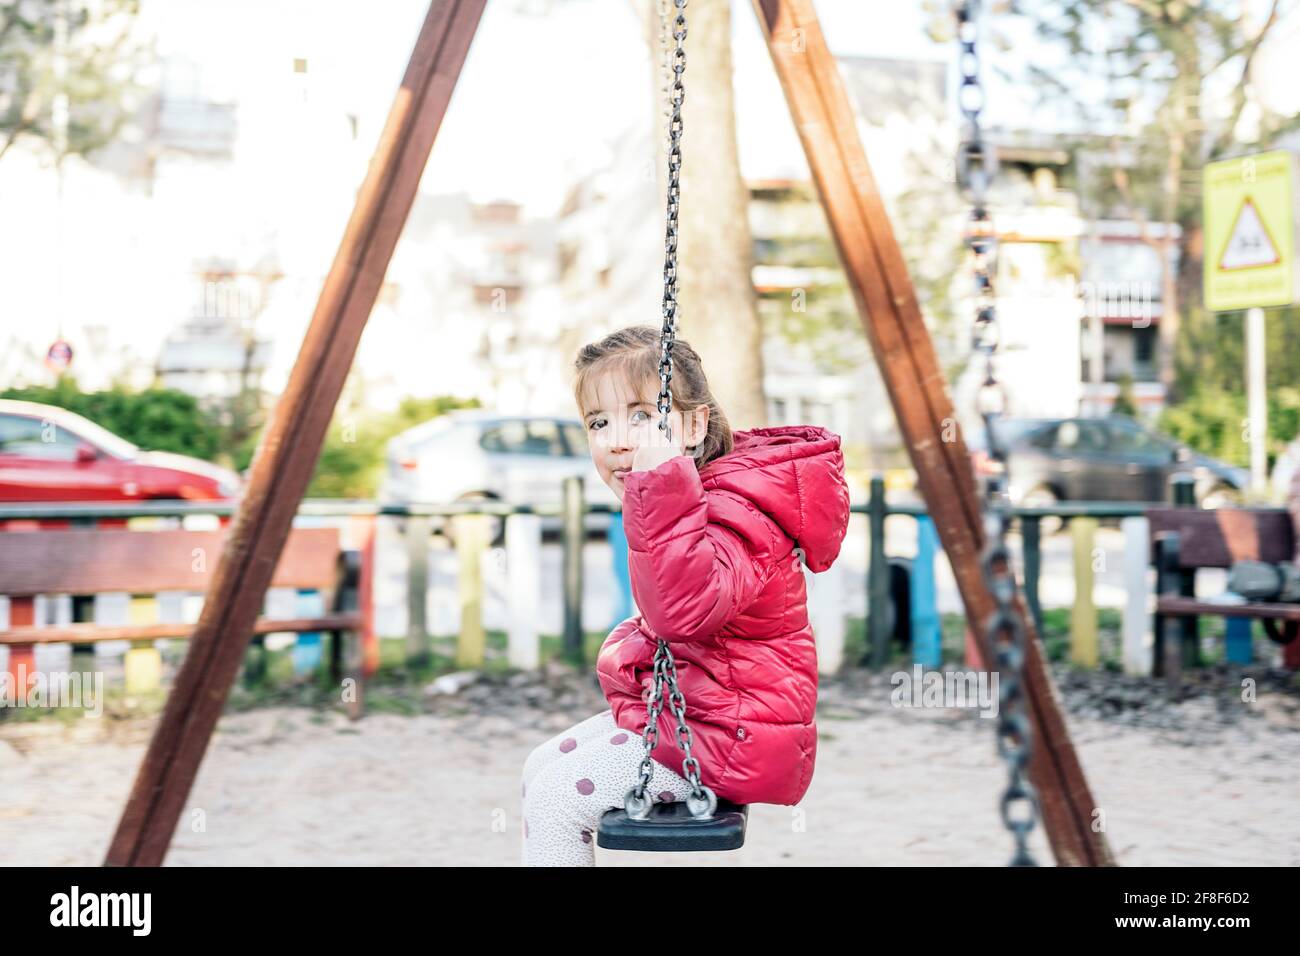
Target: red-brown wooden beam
x: 292, y: 440
x: 894, y: 325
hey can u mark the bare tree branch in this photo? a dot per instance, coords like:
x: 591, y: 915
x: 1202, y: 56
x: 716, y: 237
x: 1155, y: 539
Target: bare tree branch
x: 1224, y: 140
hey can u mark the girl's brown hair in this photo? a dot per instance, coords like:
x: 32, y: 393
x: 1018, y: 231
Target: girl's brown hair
x: 633, y: 353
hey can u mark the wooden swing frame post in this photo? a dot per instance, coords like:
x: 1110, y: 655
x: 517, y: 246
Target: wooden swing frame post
x: 905, y: 354
x: 292, y: 441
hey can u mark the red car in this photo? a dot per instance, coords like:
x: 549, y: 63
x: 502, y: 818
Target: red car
x: 50, y: 454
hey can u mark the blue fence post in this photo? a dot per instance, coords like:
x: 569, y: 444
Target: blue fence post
x: 1240, y: 650
x: 618, y: 548
x: 307, y: 651
x: 927, y: 645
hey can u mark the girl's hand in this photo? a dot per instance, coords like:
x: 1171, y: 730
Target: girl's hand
x: 650, y: 457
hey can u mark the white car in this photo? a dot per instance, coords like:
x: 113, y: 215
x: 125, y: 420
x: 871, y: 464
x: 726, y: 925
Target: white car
x: 474, y: 454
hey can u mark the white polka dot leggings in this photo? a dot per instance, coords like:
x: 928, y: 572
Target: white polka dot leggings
x: 572, y: 779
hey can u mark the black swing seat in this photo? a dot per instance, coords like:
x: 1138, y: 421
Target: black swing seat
x: 671, y: 828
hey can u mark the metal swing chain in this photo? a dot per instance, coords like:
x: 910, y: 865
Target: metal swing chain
x: 702, y: 801
x: 976, y: 166
x: 666, y: 74
x: 669, y: 307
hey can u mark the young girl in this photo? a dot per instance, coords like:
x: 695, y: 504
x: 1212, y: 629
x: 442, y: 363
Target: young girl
x: 719, y: 526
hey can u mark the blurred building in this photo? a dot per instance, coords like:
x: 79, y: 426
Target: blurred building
x: 817, y: 367
x: 1121, y: 293
x: 1079, y: 294
x: 1079, y: 290
x: 217, y: 353
x: 198, y: 175
x: 253, y: 159
x: 472, y: 294
x: 610, y: 249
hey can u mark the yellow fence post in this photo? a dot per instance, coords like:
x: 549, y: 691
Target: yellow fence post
x: 143, y: 662
x: 1083, y: 618
x: 471, y: 533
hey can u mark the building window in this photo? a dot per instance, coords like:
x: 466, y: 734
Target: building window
x: 1144, y: 344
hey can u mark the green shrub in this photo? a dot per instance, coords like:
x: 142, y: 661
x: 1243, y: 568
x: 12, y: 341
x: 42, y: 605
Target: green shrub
x: 156, y: 419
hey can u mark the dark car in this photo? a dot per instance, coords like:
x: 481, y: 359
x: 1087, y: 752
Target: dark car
x: 1115, y: 458
x: 51, y: 454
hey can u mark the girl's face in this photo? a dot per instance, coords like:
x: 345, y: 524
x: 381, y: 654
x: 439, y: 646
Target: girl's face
x: 619, y: 421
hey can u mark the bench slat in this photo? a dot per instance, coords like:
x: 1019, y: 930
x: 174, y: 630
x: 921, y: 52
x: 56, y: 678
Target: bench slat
x: 93, y: 560
x: 1189, y: 607
x: 1217, y: 538
x: 90, y: 633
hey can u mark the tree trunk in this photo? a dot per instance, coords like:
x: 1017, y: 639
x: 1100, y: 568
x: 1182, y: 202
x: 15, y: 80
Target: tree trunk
x: 718, y: 307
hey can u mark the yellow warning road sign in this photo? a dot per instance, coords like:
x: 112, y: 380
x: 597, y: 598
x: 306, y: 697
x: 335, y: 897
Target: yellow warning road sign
x: 1250, y: 206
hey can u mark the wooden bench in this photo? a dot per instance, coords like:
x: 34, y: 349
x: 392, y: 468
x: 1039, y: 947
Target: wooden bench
x: 97, y: 561
x: 1185, y: 539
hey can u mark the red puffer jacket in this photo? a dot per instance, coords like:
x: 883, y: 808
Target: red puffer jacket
x: 714, y: 572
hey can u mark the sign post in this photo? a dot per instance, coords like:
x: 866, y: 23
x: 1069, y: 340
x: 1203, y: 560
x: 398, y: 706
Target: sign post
x: 1256, y: 401
x: 1250, y: 215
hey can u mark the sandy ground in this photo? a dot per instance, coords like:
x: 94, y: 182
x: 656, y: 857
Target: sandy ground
x: 892, y: 787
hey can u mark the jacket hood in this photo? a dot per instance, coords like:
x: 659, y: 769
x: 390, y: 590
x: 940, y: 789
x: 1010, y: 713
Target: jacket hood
x: 794, y: 474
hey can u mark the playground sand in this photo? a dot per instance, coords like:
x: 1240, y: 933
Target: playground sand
x: 892, y: 787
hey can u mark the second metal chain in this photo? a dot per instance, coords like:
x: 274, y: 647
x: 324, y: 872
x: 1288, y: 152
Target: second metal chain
x: 976, y: 166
